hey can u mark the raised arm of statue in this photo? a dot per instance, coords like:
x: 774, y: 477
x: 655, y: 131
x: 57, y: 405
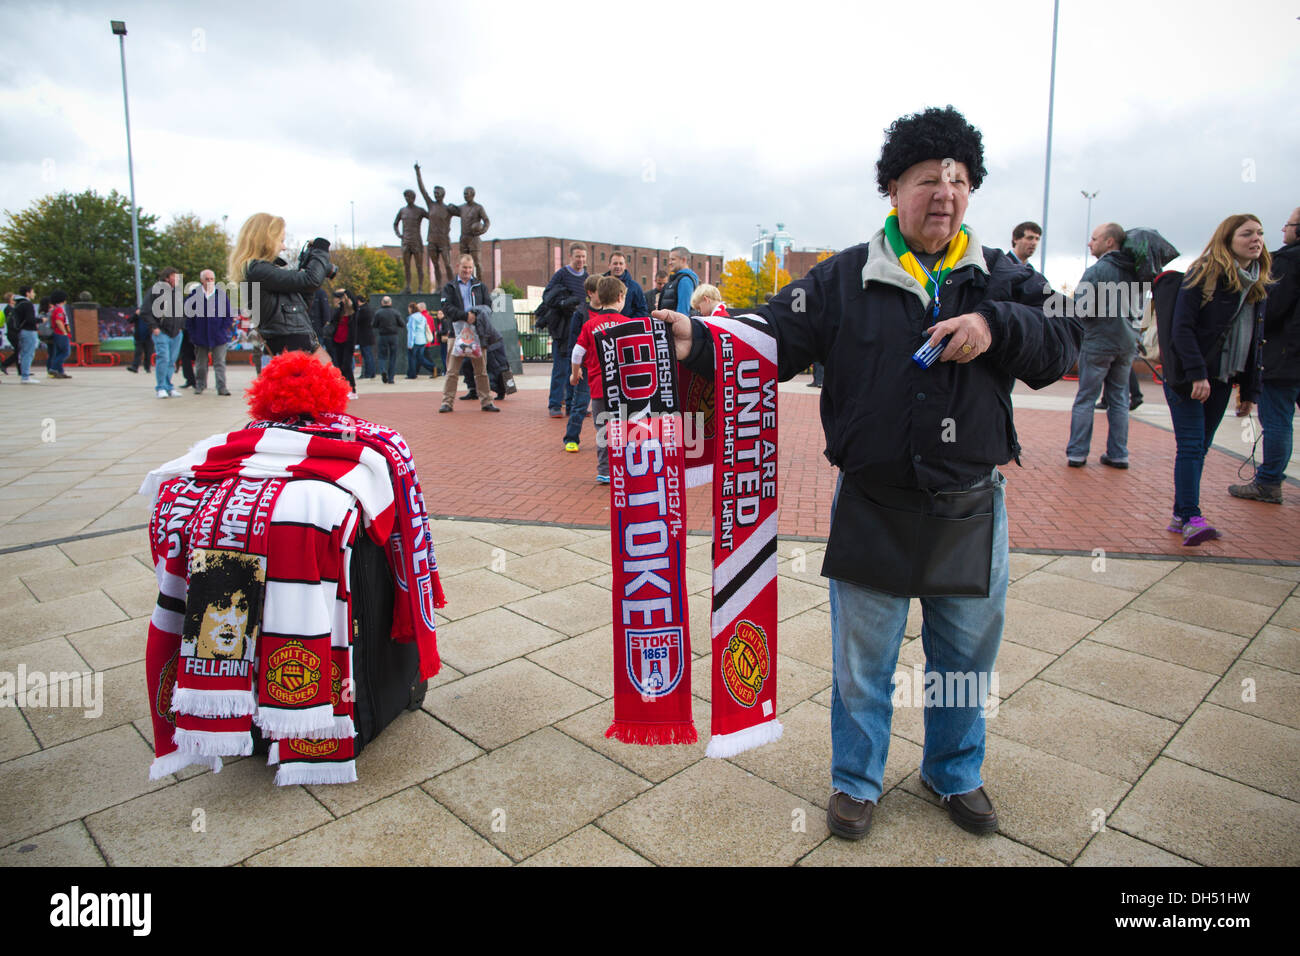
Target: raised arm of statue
x: 419, y: 181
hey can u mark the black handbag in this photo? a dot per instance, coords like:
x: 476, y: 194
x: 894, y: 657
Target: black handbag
x: 913, y: 543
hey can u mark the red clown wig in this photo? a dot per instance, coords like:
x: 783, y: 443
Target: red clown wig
x: 294, y: 385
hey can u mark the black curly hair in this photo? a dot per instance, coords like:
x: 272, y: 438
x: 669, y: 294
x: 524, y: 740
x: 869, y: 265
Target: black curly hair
x: 932, y: 134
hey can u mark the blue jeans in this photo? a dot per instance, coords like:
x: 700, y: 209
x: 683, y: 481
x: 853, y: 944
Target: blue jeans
x: 27, y: 342
x: 1277, y: 403
x: 1194, y: 426
x: 387, y: 356
x: 960, y: 635
x: 1094, y: 371
x: 561, y: 395
x: 417, y: 358
x: 167, y: 349
x: 578, y: 410
x: 367, y: 361
x: 60, y: 349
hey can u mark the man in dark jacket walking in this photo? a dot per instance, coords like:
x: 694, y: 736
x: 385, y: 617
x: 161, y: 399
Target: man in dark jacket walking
x: 1106, y: 301
x: 389, y: 328
x: 167, y: 324
x: 1281, y: 378
x: 564, y: 293
x: 366, y: 336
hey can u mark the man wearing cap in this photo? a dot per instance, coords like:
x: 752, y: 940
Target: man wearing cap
x: 919, y: 507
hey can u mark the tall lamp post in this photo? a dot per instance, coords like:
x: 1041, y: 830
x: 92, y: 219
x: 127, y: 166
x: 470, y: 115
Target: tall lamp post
x: 119, y: 30
x: 1047, y: 170
x: 1090, y: 196
x: 353, y: 204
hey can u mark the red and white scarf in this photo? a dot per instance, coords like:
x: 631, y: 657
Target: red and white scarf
x: 366, y: 461
x: 648, y: 474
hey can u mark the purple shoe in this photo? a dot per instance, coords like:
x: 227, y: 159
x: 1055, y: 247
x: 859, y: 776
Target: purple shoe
x: 1176, y: 525
x: 1197, y: 530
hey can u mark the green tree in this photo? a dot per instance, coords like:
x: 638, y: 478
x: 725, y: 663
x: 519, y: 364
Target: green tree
x: 513, y: 290
x: 75, y: 242
x: 771, y: 279
x: 191, y: 245
x: 365, y: 271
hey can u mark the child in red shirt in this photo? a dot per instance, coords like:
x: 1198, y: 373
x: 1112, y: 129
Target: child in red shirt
x: 605, y: 310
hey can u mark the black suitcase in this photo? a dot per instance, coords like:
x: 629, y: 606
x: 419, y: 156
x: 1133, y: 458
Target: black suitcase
x: 385, y: 673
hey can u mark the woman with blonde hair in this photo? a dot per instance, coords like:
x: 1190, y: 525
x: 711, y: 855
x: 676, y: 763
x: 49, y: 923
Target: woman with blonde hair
x: 1215, y: 336
x: 279, y: 309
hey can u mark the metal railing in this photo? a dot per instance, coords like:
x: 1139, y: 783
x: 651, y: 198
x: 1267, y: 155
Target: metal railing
x: 534, y: 346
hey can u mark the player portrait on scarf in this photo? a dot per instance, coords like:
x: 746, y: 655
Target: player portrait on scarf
x: 919, y: 505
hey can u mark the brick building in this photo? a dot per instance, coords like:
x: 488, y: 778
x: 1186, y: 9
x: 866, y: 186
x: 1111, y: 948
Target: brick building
x: 798, y: 263
x: 533, y: 260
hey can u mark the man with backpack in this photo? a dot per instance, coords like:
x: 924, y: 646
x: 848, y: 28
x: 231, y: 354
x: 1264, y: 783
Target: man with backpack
x: 1281, y: 379
x: 564, y: 292
x: 1105, y: 305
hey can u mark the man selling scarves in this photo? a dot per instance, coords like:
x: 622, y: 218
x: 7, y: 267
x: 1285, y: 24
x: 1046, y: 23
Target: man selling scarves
x: 918, y: 509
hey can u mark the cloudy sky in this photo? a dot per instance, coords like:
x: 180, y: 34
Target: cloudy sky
x: 649, y: 123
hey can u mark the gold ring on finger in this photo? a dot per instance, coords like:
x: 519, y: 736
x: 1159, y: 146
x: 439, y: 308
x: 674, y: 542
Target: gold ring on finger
x: 967, y: 349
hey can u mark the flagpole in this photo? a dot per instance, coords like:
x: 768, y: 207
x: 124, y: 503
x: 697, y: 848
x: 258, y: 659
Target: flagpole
x: 1047, y: 171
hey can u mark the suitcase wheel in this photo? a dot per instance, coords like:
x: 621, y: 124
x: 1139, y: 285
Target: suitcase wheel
x: 417, y: 695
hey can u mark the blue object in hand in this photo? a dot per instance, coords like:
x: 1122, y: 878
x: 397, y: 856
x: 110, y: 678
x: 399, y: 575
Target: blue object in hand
x: 928, y: 354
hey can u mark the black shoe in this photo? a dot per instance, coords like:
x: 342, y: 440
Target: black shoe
x: 848, y: 817
x: 489, y: 408
x: 444, y: 407
x: 1132, y: 406
x: 220, y: 392
x: 129, y: 368
x: 501, y: 396
x: 469, y: 396
x: 1101, y: 406
x: 1112, y: 463
x: 972, y: 811
x: 1076, y: 464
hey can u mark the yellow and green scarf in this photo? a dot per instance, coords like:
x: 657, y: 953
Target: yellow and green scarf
x: 907, y: 259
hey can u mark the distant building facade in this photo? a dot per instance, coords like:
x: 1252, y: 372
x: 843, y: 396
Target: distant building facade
x: 533, y: 260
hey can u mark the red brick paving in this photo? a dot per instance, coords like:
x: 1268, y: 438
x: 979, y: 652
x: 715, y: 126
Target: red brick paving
x: 513, y: 466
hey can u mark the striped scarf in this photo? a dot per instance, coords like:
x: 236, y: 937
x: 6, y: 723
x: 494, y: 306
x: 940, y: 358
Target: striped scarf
x: 907, y: 259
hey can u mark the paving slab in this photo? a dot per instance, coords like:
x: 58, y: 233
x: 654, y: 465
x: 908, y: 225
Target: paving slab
x: 1133, y: 680
x: 412, y: 749
x: 27, y: 625
x: 1277, y: 647
x: 1114, y: 740
x: 716, y: 814
x: 491, y: 637
x: 73, y: 780
x: 653, y: 763
x: 506, y: 702
x: 1261, y: 691
x: 1206, y: 610
x: 1210, y: 819
x: 1111, y: 847
x: 477, y: 590
x: 590, y: 846
x: 571, y: 610
x: 587, y: 660
x: 214, y: 819
x: 1128, y: 574
x: 1044, y: 628
x: 1088, y: 598
x: 87, y: 706
x: 532, y: 793
x: 1178, y: 642
x: 1233, y: 583
x: 1258, y: 753
x: 807, y: 637
x: 68, y: 845
x: 552, y: 568
x: 112, y: 645
x: 409, y: 828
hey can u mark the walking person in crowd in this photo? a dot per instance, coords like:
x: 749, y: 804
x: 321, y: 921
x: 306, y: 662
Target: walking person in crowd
x: 1280, y: 388
x: 418, y: 335
x: 11, y: 334
x: 1106, y: 306
x: 22, y: 317
x: 142, y: 333
x: 563, y: 294
x: 365, y: 319
x: 388, y: 331
x: 61, y: 341
x: 210, y: 323
x: 165, y: 325
x: 342, y: 336
x: 923, y: 278
x: 1214, y: 343
x: 281, y: 316
x: 605, y: 308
